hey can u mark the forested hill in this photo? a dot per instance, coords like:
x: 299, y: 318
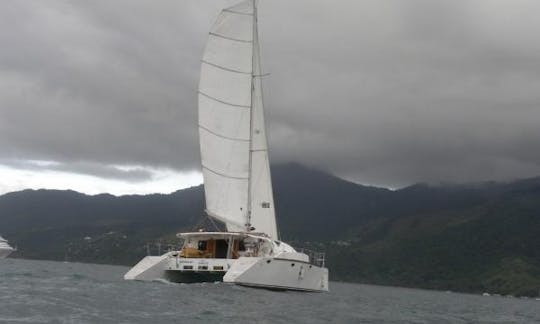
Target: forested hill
x: 474, y: 237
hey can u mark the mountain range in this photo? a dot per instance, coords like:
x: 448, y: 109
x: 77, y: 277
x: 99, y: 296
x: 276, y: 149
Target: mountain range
x: 479, y: 237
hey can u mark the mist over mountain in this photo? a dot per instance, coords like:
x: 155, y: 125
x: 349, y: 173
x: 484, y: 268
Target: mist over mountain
x: 470, y: 237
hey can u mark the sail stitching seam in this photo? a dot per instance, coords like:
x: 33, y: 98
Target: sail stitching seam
x: 223, y: 136
x: 223, y: 175
x: 231, y: 38
x: 223, y: 102
x: 225, y: 68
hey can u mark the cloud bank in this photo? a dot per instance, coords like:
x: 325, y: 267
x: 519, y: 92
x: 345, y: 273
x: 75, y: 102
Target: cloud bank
x: 381, y: 92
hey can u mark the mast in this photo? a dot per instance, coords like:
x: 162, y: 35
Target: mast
x: 250, y: 170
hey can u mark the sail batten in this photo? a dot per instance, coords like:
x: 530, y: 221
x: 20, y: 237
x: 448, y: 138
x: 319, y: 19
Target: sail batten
x: 238, y: 189
x: 231, y: 38
x: 237, y: 12
x: 224, y: 136
x: 221, y: 174
x: 223, y: 102
x: 226, y: 68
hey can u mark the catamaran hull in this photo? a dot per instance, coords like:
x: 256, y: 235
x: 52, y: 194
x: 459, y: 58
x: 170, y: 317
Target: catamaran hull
x: 270, y: 273
x: 276, y: 273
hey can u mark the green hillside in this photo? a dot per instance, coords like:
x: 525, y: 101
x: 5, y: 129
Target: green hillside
x: 474, y: 238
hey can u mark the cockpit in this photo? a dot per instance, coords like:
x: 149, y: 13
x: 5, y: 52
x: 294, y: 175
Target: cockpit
x: 225, y: 246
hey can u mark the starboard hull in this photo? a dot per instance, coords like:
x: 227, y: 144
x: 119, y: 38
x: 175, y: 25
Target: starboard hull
x: 279, y: 274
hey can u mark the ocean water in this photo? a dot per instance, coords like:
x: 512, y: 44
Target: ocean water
x: 57, y: 292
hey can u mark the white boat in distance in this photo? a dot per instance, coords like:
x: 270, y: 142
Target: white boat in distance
x: 5, y: 248
x: 237, y: 182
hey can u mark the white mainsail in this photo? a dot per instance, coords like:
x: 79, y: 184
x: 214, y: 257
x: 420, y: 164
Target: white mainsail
x: 232, y: 134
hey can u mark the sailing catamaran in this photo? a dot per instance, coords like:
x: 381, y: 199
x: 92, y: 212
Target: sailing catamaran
x: 236, y: 171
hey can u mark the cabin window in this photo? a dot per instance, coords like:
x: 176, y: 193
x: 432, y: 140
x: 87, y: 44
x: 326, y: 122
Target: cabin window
x: 201, y: 246
x: 265, y: 205
x: 188, y: 267
x: 241, y: 246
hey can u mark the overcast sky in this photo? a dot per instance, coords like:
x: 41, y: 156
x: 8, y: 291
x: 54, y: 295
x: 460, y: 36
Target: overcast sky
x: 100, y: 96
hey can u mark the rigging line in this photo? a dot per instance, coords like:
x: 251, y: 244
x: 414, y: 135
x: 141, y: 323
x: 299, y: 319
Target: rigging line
x: 201, y: 223
x: 213, y: 223
x: 225, y: 68
x: 222, y: 219
x: 223, y: 102
x: 223, y: 174
x: 237, y: 12
x: 231, y: 38
x: 198, y: 225
x: 223, y: 136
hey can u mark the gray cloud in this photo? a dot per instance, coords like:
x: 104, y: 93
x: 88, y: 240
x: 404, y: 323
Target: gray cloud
x: 129, y: 174
x: 384, y: 92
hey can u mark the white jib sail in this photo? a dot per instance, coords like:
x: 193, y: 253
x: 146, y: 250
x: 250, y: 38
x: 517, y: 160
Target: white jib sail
x: 231, y: 125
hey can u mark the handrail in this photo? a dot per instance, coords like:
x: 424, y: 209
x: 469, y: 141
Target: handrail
x: 315, y: 258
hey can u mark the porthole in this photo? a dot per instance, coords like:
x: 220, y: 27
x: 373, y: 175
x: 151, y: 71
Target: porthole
x: 292, y: 264
x: 268, y: 261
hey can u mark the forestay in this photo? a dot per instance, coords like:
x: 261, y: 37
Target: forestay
x: 238, y: 188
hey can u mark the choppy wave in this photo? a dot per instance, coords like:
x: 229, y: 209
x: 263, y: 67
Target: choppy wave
x: 56, y: 292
